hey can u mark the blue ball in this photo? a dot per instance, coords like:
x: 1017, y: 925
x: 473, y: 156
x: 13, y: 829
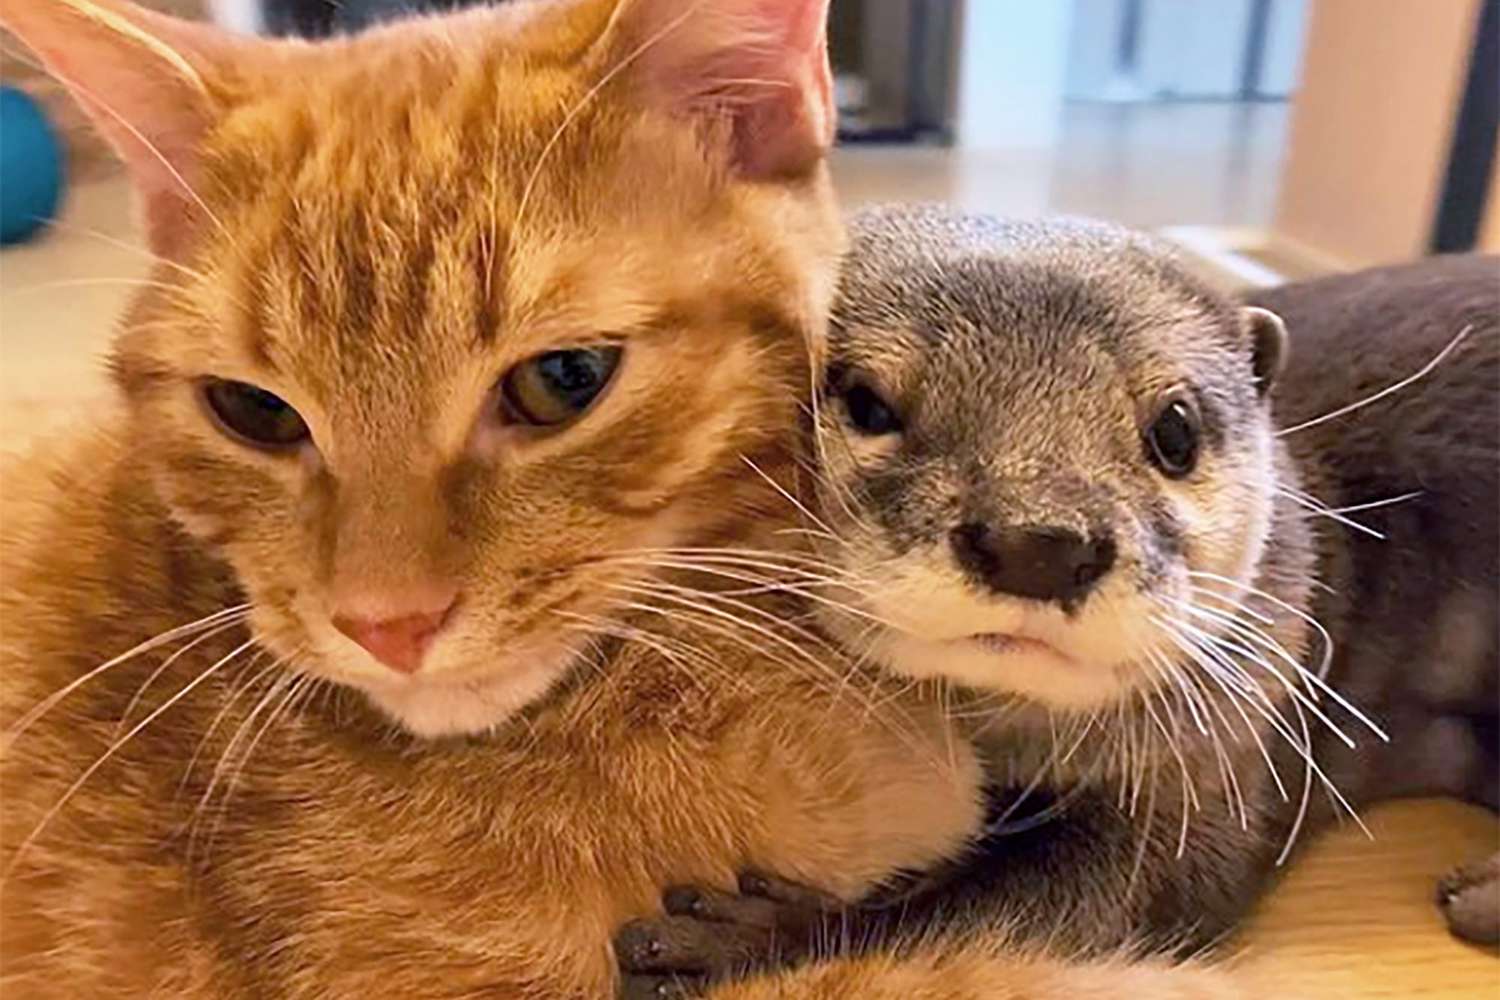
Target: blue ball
x: 31, y: 167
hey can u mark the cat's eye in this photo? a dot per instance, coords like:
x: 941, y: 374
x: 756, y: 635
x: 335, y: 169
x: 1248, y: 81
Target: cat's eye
x: 253, y: 415
x: 1172, y: 438
x: 554, y: 388
x: 869, y: 413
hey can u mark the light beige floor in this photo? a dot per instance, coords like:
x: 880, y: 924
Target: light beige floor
x: 1146, y: 166
x: 1353, y: 919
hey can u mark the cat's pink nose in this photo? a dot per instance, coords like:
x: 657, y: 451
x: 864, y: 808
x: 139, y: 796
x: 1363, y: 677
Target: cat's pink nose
x: 401, y: 641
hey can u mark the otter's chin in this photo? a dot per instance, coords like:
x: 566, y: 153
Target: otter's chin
x: 1007, y: 664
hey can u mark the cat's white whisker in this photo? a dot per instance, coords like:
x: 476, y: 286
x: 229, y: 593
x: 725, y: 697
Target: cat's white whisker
x: 140, y: 251
x: 224, y: 763
x: 166, y: 665
x: 797, y: 504
x: 704, y: 614
x: 810, y: 586
x: 155, y: 642
x: 151, y: 147
x: 578, y: 107
x: 232, y: 697
x: 114, y: 748
x: 297, y: 684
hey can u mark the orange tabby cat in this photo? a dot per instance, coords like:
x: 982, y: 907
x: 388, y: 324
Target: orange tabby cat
x: 464, y: 338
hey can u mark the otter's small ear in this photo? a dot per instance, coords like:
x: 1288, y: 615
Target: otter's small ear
x: 1268, y: 346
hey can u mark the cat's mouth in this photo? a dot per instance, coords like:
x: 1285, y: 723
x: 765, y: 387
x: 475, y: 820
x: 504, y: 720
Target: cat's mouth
x: 461, y: 699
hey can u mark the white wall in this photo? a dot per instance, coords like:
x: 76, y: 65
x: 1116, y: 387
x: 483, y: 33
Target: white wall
x: 1188, y: 49
x: 1285, y: 34
x: 237, y: 15
x: 1012, y: 64
x: 1092, y: 46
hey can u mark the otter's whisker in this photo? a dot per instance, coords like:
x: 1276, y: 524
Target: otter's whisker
x: 1189, y: 788
x: 1146, y: 827
x: 1239, y: 606
x: 1394, y: 387
x: 1327, y: 658
x: 1303, y: 748
x: 1174, y: 741
x: 1373, y: 504
x: 1242, y: 629
x: 1317, y: 507
x: 1315, y: 678
x: 1292, y: 689
x: 1252, y: 633
x: 1209, y: 704
x: 809, y: 587
x: 1234, y: 696
x: 1307, y: 775
x: 768, y: 559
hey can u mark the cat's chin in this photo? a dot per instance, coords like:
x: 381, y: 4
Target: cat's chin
x: 435, y: 706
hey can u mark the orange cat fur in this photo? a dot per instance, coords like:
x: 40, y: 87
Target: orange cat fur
x: 376, y: 230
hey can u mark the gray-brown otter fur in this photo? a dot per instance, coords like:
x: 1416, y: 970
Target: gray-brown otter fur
x: 1050, y: 457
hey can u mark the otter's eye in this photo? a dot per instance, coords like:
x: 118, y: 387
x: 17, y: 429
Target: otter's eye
x: 869, y: 413
x: 1172, y: 439
x: 253, y: 415
x: 553, y: 388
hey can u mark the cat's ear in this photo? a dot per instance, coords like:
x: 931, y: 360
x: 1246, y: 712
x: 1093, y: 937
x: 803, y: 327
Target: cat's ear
x: 146, y: 82
x: 760, y: 64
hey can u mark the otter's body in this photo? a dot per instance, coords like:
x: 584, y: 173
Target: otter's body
x: 1074, y: 477
x: 1413, y: 613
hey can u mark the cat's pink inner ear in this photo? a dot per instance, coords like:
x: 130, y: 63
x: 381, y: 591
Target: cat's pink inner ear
x: 144, y: 80
x: 761, y: 63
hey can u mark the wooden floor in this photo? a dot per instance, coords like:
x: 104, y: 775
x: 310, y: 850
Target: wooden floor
x: 1355, y: 918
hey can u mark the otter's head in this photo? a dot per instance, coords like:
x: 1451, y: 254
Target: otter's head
x: 1038, y: 441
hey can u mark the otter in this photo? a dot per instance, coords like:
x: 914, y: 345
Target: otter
x: 1192, y: 601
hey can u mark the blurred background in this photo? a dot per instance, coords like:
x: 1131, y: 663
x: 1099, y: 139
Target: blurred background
x: 1272, y: 139
x: 1303, y: 134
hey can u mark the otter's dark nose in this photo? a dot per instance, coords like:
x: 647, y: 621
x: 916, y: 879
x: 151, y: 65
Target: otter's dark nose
x: 1037, y: 562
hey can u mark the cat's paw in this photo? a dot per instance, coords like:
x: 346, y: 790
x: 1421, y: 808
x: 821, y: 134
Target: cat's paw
x: 708, y: 935
x: 1470, y: 900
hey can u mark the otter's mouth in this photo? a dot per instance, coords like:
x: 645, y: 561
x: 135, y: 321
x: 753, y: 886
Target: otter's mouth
x: 1005, y: 644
